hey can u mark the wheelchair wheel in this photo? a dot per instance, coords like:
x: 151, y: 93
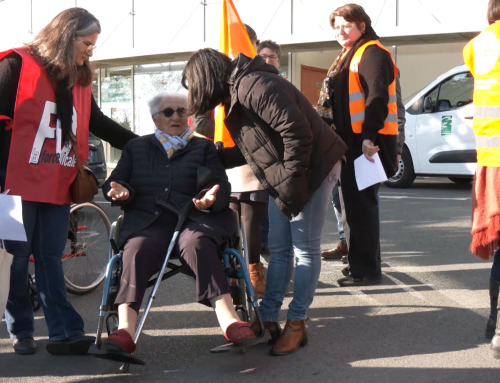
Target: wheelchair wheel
x: 87, y: 251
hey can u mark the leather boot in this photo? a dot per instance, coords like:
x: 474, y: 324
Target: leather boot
x: 492, y: 320
x: 258, y: 278
x: 336, y: 253
x: 294, y: 335
x: 273, y: 328
x: 495, y: 342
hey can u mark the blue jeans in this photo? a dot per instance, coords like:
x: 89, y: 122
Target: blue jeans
x: 302, y: 237
x: 495, y: 269
x: 47, y: 231
x: 337, y: 208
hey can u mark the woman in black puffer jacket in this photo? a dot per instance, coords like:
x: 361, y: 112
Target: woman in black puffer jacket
x: 293, y: 153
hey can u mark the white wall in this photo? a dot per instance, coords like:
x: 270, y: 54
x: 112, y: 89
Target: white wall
x: 169, y: 26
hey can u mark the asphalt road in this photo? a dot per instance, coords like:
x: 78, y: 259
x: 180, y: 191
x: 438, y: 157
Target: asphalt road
x: 424, y: 323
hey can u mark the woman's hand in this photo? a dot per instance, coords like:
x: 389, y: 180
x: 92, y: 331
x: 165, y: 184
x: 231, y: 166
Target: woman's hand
x: 207, y: 200
x: 369, y: 150
x: 118, y: 192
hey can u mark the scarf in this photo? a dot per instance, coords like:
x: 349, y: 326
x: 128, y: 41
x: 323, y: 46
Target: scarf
x: 485, y: 212
x: 171, y: 144
x: 340, y: 70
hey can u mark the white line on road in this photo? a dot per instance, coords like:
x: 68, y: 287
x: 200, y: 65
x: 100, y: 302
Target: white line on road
x: 430, y: 198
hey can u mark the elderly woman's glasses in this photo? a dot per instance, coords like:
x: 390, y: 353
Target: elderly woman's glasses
x: 169, y: 112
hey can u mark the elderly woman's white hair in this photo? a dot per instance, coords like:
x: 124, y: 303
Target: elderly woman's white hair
x: 155, y: 102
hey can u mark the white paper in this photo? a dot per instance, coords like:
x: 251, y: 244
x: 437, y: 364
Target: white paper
x: 11, y: 218
x: 368, y: 173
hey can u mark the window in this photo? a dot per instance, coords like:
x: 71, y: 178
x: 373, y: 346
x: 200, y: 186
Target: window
x: 116, y: 100
x: 455, y: 92
x: 433, y: 95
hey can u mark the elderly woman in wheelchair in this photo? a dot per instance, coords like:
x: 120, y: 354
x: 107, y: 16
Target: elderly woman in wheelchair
x: 163, y: 166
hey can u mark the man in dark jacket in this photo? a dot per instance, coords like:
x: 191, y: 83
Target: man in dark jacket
x: 295, y: 156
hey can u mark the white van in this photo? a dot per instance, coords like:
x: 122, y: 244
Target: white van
x: 439, y: 138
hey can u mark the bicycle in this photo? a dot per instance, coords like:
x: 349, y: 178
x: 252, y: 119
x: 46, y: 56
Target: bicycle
x: 86, y: 253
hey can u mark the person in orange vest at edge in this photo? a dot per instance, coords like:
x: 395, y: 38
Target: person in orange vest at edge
x: 45, y: 94
x: 482, y: 56
x: 358, y: 99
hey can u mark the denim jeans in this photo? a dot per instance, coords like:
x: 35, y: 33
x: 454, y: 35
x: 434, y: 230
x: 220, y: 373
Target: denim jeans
x: 337, y: 208
x: 46, y: 228
x: 495, y: 268
x: 300, y: 237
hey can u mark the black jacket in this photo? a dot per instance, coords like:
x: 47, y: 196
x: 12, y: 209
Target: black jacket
x: 289, y: 147
x: 146, y: 171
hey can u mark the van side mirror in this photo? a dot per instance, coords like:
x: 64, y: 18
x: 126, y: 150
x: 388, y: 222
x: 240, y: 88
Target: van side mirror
x: 428, y: 105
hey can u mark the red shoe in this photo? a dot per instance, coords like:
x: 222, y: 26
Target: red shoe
x: 239, y: 333
x: 119, y: 341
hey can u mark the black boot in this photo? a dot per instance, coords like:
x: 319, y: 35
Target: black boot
x: 495, y: 342
x: 492, y: 320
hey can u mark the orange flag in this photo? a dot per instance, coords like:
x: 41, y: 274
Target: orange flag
x: 233, y: 40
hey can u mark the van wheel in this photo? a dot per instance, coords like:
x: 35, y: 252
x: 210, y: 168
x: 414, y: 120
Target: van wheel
x: 461, y: 180
x: 405, y: 175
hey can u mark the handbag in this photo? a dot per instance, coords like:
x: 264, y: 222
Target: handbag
x: 84, y: 187
x: 5, y: 263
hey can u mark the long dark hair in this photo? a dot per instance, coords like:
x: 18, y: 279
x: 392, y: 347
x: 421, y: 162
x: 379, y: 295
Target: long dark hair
x: 206, y: 77
x: 493, y: 11
x: 54, y: 44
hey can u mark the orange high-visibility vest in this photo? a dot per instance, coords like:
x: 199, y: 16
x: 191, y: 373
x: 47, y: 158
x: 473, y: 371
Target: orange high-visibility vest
x: 482, y: 55
x: 357, y: 95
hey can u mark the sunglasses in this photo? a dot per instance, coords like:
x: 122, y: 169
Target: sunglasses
x: 169, y: 112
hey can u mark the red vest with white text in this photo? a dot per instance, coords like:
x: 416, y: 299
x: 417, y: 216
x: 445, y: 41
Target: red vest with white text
x: 40, y: 167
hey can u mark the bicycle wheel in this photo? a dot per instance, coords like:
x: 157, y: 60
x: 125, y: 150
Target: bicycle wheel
x: 87, y: 251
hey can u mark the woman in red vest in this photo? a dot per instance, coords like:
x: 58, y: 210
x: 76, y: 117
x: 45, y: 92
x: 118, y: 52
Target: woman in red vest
x: 45, y: 94
x: 359, y: 98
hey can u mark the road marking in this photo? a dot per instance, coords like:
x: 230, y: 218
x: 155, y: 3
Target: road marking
x: 438, y: 268
x: 102, y: 202
x: 429, y: 198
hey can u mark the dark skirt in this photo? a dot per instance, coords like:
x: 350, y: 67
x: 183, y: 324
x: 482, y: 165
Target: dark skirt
x: 197, y: 247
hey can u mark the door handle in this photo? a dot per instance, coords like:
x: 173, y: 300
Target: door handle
x: 469, y: 118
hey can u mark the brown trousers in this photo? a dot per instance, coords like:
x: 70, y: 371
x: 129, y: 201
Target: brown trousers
x: 197, y: 247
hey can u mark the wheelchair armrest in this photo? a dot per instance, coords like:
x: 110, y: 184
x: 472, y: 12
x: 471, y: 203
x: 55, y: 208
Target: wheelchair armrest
x: 115, y: 233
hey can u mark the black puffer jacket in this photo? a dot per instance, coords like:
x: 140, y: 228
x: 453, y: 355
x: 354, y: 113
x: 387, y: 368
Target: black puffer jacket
x: 289, y: 147
x: 145, y: 169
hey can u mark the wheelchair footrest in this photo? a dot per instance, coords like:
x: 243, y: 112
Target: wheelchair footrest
x: 237, y: 348
x: 122, y: 357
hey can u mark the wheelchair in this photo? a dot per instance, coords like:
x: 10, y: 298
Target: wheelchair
x: 234, y: 264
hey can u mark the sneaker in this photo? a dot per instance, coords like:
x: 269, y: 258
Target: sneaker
x: 336, y: 253
x: 25, y: 346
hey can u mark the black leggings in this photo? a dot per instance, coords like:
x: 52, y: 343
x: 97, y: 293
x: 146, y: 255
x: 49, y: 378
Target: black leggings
x: 252, y: 213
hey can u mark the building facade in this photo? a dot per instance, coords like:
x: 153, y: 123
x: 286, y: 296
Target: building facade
x: 145, y: 44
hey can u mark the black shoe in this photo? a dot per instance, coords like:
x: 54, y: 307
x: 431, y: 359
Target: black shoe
x: 358, y: 281
x: 25, y: 346
x: 77, y: 345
